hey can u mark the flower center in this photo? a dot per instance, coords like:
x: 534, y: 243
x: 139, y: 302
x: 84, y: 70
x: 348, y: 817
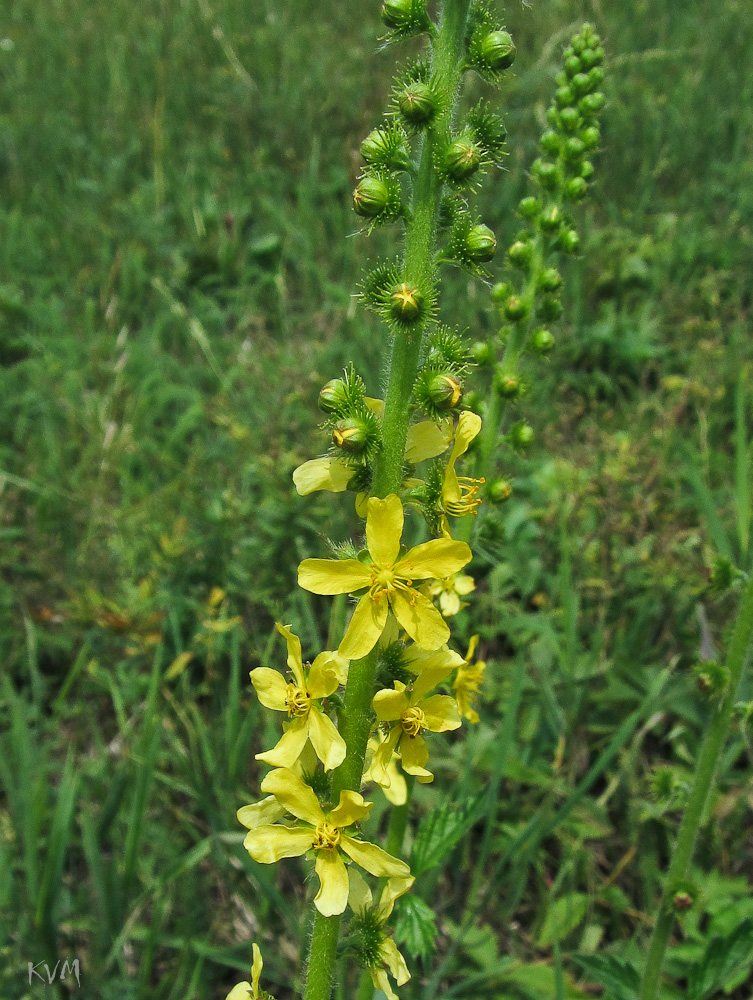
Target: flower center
x: 412, y: 721
x: 468, y: 502
x: 384, y: 579
x: 298, y: 701
x: 326, y: 836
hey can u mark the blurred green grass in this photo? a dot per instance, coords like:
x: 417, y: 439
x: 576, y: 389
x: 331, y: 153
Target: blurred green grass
x: 177, y: 265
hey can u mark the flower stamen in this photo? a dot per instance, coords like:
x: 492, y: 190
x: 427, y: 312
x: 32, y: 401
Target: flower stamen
x: 469, y: 502
x: 412, y: 721
x: 326, y: 837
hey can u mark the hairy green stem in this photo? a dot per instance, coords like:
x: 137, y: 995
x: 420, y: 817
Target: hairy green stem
x: 419, y: 268
x: 708, y: 761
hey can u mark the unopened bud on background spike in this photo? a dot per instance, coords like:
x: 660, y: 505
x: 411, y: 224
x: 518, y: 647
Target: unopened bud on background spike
x: 550, y: 280
x: 498, y: 490
x: 508, y: 386
x: 520, y: 254
x: 542, y: 341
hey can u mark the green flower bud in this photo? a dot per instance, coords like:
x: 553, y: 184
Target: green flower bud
x: 569, y: 241
x: 569, y: 119
x: 550, y: 219
x: 561, y: 79
x: 578, y: 44
x: 501, y: 291
x: 586, y: 169
x: 590, y: 137
x: 483, y: 353
x: 546, y: 174
x: 520, y: 254
x: 352, y: 435
x: 508, y: 386
x: 574, y: 148
x: 498, y: 51
x: 445, y: 392
x: 529, y: 208
x: 516, y: 308
x: 595, y: 77
x: 591, y: 104
x: 576, y: 189
x: 549, y: 308
x: 333, y: 396
x: 401, y: 15
x: 572, y: 65
x: 480, y: 244
x: 552, y: 117
x: 497, y: 491
x: 550, y: 141
x: 564, y: 96
x: 580, y: 84
x: 542, y: 341
x: 417, y: 103
x: 385, y: 147
x: 462, y: 159
x: 711, y: 678
x: 550, y: 280
x: 406, y: 304
x: 682, y: 901
x: 520, y: 435
x: 590, y: 58
x: 371, y: 197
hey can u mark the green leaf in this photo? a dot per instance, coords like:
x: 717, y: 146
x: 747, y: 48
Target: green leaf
x: 415, y: 927
x: 563, y: 916
x: 441, y: 830
x: 722, y: 960
x: 620, y: 977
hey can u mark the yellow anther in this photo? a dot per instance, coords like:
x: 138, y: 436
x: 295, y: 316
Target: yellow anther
x: 412, y: 721
x: 326, y: 836
x: 469, y: 501
x: 298, y: 701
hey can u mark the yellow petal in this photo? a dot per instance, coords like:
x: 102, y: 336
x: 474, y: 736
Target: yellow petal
x: 395, y: 888
x: 293, y: 793
x: 469, y: 424
x: 322, y: 474
x: 366, y: 625
x: 375, y: 405
x: 440, y: 713
x: 295, y: 660
x: 256, y: 966
x: 418, y: 660
x: 373, y: 858
x: 380, y: 762
x: 261, y: 813
x: 271, y: 688
x: 324, y: 675
x: 332, y: 897
x: 384, y: 527
x: 394, y: 961
x: 381, y: 981
x: 390, y: 705
x: 290, y: 746
x: 427, y: 440
x: 471, y: 648
x: 359, y: 895
x: 268, y: 844
x: 464, y: 584
x: 428, y: 679
x: 328, y: 743
x: 414, y: 754
x: 397, y: 790
x: 362, y: 504
x: 434, y: 560
x: 449, y: 604
x: 350, y: 809
x: 240, y: 992
x: 333, y: 576
x: 420, y: 619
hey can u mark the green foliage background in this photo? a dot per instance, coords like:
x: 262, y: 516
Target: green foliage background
x: 177, y: 267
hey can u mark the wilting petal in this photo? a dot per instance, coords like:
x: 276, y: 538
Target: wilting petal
x: 395, y: 888
x: 293, y: 793
x: 350, y: 809
x: 366, y: 625
x: 394, y: 961
x: 328, y: 743
x: 440, y: 713
x: 332, y: 897
x: 268, y: 844
x: 333, y: 576
x: 359, y: 896
x: 384, y: 527
x: 324, y: 675
x: 414, y: 755
x: 289, y: 748
x: 434, y: 560
x: 322, y: 474
x: 261, y: 813
x: 420, y: 619
x: 390, y: 705
x: 373, y: 858
x: 256, y: 966
x: 271, y: 688
x: 427, y: 440
x: 295, y: 660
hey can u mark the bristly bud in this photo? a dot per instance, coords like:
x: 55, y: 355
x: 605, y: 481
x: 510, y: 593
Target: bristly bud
x: 480, y: 244
x: 344, y: 397
x: 574, y: 148
x: 417, y: 103
x: 590, y: 137
x: 377, y: 197
x: 516, y: 308
x: 501, y: 291
x: 550, y: 280
x: 488, y: 129
x: 378, y: 283
x: 407, y: 304
x: 529, y: 207
x: 483, y: 353
x: 498, y: 491
x: 569, y: 119
x: 333, y: 397
x: 498, y: 51
x: 569, y: 241
x: 507, y: 386
x: 711, y: 678
x: 521, y: 254
x: 352, y: 435
x: 391, y: 666
x: 406, y: 17
x: 550, y: 142
x: 386, y: 146
x: 461, y: 159
x: 491, y: 49
x: 446, y: 348
x: 550, y: 219
x: 542, y: 341
x: 546, y: 174
x: 549, y: 308
x: 520, y: 435
x: 575, y: 189
x: 591, y: 104
x: 445, y: 392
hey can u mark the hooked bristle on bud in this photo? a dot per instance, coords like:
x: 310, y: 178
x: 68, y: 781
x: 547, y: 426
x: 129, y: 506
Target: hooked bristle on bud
x: 387, y: 146
x: 406, y: 17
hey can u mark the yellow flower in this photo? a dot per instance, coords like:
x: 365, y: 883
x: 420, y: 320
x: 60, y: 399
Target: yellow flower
x: 325, y: 674
x: 412, y: 713
x: 396, y: 791
x: 244, y: 991
x: 389, y: 578
x: 450, y: 591
x: 459, y: 493
x: 468, y: 681
x: 388, y: 956
x: 324, y: 834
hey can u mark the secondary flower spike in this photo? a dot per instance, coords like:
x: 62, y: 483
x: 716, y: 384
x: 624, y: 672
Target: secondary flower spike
x: 307, y: 722
x: 389, y: 581
x: 322, y: 833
